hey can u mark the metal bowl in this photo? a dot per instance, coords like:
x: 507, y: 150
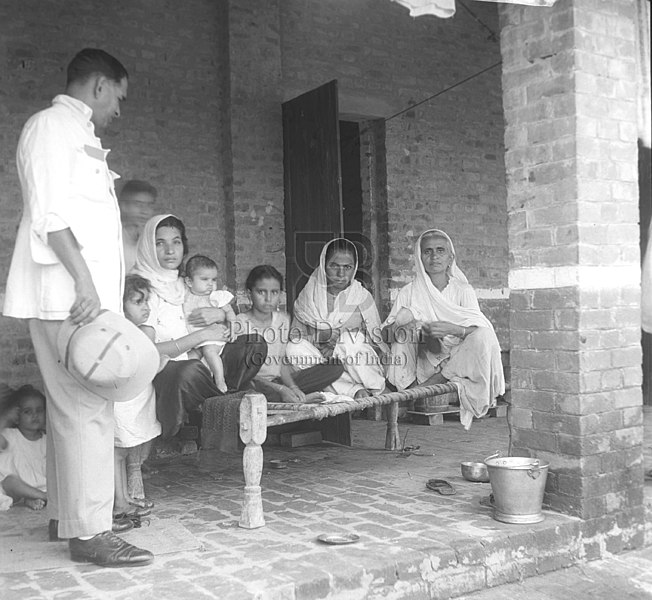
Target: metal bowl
x: 475, y: 471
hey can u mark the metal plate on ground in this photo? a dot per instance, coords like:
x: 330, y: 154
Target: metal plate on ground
x: 337, y: 539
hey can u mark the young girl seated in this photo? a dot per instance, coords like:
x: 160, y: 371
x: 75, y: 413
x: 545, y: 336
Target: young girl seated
x: 22, y: 449
x: 135, y: 420
x: 277, y: 379
x: 201, y: 291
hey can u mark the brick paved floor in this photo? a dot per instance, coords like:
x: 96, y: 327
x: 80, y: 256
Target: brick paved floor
x: 413, y: 540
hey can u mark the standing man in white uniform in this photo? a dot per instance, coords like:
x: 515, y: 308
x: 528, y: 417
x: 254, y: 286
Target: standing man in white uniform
x: 68, y: 262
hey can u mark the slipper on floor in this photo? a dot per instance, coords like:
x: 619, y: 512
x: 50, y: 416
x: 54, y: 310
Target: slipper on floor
x: 442, y: 486
x: 136, y: 513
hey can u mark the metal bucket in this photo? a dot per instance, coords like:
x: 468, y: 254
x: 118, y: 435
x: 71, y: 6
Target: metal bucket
x: 517, y: 484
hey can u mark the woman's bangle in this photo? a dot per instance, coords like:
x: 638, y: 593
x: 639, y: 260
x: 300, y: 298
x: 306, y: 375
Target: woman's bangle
x: 463, y: 332
x: 177, y: 346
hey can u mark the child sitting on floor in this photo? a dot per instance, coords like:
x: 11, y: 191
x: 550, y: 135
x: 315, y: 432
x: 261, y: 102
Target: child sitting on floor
x: 201, y: 282
x: 22, y: 456
x: 135, y: 420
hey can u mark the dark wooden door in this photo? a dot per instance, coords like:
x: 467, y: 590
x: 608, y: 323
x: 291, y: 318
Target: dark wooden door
x: 312, y: 180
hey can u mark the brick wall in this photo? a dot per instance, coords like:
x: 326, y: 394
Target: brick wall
x: 202, y: 121
x: 169, y: 133
x: 444, y: 159
x: 573, y: 226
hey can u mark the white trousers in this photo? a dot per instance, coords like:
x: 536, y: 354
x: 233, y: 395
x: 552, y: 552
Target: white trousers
x: 79, y: 443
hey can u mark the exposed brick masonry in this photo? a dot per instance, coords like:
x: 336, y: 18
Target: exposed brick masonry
x: 573, y: 202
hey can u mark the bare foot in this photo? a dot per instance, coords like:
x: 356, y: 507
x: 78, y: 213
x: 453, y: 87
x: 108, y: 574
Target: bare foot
x: 363, y: 393
x: 314, y: 398
x: 35, y: 503
x: 221, y: 385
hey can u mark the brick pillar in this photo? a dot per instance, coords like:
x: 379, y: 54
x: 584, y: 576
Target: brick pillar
x: 571, y: 160
x: 255, y: 190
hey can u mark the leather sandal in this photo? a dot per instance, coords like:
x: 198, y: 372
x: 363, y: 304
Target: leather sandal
x: 142, y: 503
x: 134, y: 512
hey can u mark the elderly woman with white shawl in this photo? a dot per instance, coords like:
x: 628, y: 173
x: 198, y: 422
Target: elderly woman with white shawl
x: 439, y: 334
x: 335, y: 318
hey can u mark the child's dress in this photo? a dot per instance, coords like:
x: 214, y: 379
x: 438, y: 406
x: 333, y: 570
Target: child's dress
x: 216, y: 299
x: 136, y: 423
x: 23, y: 458
x: 135, y: 420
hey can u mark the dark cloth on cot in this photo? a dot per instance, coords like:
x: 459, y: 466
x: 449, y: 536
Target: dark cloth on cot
x: 183, y: 385
x: 313, y: 379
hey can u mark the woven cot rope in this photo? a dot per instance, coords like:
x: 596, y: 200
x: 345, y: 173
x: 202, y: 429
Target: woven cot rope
x: 290, y: 413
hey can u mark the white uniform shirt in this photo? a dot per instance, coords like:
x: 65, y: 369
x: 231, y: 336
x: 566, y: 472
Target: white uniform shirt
x: 66, y: 183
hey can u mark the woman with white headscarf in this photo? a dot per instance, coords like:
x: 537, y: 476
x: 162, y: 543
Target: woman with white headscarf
x: 439, y: 333
x: 335, y: 317
x: 184, y: 383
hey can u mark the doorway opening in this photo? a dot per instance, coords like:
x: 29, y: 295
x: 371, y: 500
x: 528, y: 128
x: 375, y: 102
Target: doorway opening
x: 335, y: 183
x: 364, y: 201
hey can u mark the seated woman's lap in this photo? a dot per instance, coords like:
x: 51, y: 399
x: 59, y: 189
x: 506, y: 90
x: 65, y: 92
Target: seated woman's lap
x: 183, y: 385
x: 242, y: 359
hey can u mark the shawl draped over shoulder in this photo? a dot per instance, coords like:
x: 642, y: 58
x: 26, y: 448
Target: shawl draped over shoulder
x: 479, y: 379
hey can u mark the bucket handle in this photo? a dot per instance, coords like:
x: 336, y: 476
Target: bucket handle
x: 534, y: 471
x: 496, y: 454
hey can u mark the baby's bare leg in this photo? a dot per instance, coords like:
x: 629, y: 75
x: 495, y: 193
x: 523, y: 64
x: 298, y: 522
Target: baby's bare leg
x: 214, y: 360
x: 18, y: 489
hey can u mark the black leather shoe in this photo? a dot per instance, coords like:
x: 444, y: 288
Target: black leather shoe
x: 118, y: 526
x: 108, y: 550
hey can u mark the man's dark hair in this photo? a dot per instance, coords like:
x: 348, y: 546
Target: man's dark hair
x: 136, y: 186
x: 198, y: 262
x: 93, y: 61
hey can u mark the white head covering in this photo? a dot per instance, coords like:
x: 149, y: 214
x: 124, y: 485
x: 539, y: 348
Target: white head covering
x: 481, y: 380
x: 430, y: 302
x: 166, y: 283
x: 311, y: 307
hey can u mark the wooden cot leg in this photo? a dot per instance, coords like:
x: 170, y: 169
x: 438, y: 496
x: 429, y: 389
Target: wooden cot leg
x: 253, y: 431
x: 392, y: 438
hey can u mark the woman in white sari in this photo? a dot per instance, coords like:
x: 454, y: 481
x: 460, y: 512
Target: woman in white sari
x: 439, y: 334
x: 335, y: 317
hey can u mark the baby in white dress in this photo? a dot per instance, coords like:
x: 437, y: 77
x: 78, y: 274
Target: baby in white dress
x: 201, y: 291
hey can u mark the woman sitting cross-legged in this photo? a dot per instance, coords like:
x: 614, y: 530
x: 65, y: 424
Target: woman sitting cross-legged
x: 275, y: 379
x: 183, y: 384
x: 335, y: 317
x: 439, y: 334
